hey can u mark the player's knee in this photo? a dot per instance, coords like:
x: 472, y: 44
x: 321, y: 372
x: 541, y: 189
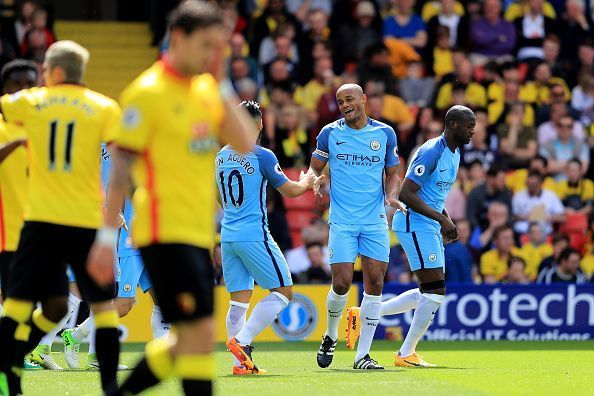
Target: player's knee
x: 374, y: 286
x: 341, y: 287
x: 55, y: 309
x: 286, y: 291
x: 436, y: 287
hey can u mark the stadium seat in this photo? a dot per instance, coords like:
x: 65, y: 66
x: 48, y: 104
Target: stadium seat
x: 296, y: 238
x: 298, y: 219
x: 575, y: 223
x: 306, y: 201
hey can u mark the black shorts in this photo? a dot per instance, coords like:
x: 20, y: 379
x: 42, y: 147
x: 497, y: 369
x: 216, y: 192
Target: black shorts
x: 5, y: 260
x: 182, y: 277
x: 38, y: 270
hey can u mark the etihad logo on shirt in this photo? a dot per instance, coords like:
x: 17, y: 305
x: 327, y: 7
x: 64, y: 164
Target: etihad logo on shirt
x: 358, y: 159
x: 444, y: 185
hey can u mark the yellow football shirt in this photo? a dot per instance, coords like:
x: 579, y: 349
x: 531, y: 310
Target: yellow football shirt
x: 13, y: 188
x: 584, y: 190
x: 65, y: 125
x: 534, y: 255
x: 173, y: 123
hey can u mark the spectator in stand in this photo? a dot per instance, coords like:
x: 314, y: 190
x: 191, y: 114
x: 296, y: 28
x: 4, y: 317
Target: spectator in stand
x: 535, y: 204
x: 557, y: 96
x: 475, y: 94
x: 322, y: 82
x: 373, y: 108
x: 587, y: 263
x: 458, y: 262
x: 481, y: 239
x: 582, y: 99
x: 318, y: 271
x: 277, y: 222
x: 302, y: 8
x: 551, y: 48
x: 516, y: 272
x: 238, y: 69
x: 567, y: 271
x: 573, y: 28
x: 297, y: 258
x: 239, y: 49
x: 565, y: 147
x: 416, y: 90
x: 447, y: 16
x: 478, y: 148
x: 576, y: 192
x: 434, y: 7
x: 280, y: 45
x: 419, y: 132
x: 327, y: 110
x: 537, y: 91
x: 494, y: 263
x: 344, y: 12
x: 290, y: 139
x: 441, y: 56
x: 482, y: 196
x: 510, y: 73
x: 560, y: 243
x: 519, y: 8
x: 405, y: 24
x: 535, y: 250
x: 375, y: 66
x: 279, y: 71
x: 531, y: 30
x: 583, y: 64
x: 7, y: 53
x: 283, y: 53
x: 393, y: 108
x: 517, y: 141
x: 352, y: 39
x: 274, y: 15
x: 499, y: 108
x: 23, y: 24
x: 247, y: 89
x: 491, y: 37
x: 516, y: 180
x: 38, y: 39
x: 551, y: 130
x: 475, y: 175
x: 281, y: 95
x: 318, y: 32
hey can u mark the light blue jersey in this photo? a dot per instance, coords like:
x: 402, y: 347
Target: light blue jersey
x: 242, y: 181
x: 434, y: 168
x: 125, y: 246
x: 248, y: 251
x: 357, y: 159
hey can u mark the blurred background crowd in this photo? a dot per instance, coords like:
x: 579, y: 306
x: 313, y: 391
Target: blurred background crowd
x: 523, y: 198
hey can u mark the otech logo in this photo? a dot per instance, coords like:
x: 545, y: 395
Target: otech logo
x: 298, y: 320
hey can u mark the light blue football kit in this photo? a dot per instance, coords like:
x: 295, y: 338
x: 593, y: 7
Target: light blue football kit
x: 357, y: 159
x: 248, y: 250
x: 130, y: 268
x: 434, y: 168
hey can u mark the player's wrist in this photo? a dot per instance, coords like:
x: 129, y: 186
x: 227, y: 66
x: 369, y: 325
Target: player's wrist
x: 106, y: 236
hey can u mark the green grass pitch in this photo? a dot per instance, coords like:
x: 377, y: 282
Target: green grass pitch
x: 466, y: 368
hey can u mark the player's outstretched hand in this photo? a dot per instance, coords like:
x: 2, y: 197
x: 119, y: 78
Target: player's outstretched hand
x: 448, y: 229
x: 122, y: 223
x: 100, y: 264
x: 395, y: 203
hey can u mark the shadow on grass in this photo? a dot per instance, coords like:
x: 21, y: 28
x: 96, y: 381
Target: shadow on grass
x: 353, y: 371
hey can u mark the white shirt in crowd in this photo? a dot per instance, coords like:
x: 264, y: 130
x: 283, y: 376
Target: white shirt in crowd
x: 298, y: 261
x: 523, y: 204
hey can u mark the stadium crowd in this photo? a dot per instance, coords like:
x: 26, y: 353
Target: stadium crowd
x: 523, y: 198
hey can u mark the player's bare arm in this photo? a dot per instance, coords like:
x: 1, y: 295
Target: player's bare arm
x: 393, y: 184
x: 292, y: 189
x: 317, y: 167
x: 8, y: 148
x: 408, y: 195
x: 100, y: 262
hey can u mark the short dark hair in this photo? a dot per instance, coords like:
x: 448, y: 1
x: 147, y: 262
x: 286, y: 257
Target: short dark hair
x: 192, y: 15
x: 516, y: 259
x: 502, y: 228
x: 494, y: 169
x: 534, y: 173
x: 252, y: 107
x: 542, y: 159
x: 559, y: 238
x: 567, y: 252
x: 17, y: 65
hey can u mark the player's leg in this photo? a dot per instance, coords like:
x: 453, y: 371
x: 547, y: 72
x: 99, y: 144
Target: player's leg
x: 265, y: 262
x: 31, y: 282
x: 426, y: 258
x: 343, y: 247
x: 105, y: 315
x: 239, y: 283
x: 374, y: 247
x: 185, y: 294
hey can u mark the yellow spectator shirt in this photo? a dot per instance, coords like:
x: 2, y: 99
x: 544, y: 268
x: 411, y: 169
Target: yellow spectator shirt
x: 516, y: 181
x: 517, y: 9
x: 533, y: 255
x: 65, y: 126
x: 13, y: 188
x: 172, y: 123
x: 584, y: 190
x: 493, y: 265
x: 476, y: 95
